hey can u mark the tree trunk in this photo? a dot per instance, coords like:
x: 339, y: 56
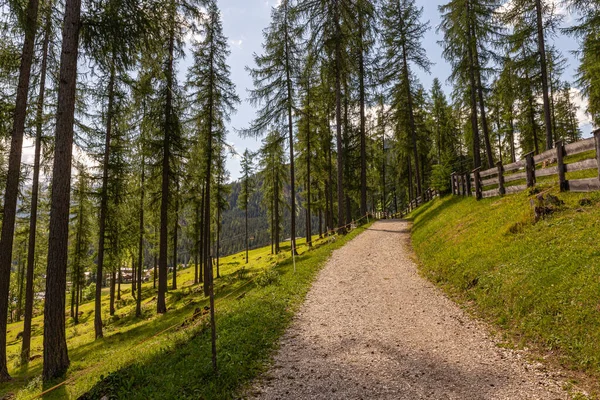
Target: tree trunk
x: 290, y: 137
x: 196, y: 241
x: 56, y: 358
x: 138, y: 306
x: 175, y: 237
x: 308, y: 181
x: 484, y: 124
x: 246, y: 217
x: 161, y: 306
x: 29, y: 289
x: 363, y: 132
x: 473, y: 98
x: 338, y: 119
x: 113, y: 284
x: 104, y: 206
x: 13, y: 175
x: 544, y: 73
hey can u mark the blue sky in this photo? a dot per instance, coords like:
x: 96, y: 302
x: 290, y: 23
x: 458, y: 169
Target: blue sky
x: 244, y: 21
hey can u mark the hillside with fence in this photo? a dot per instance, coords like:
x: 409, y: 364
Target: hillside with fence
x: 576, y: 167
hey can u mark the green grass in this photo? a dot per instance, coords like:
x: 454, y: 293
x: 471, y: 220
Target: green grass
x: 539, y: 282
x: 137, y: 360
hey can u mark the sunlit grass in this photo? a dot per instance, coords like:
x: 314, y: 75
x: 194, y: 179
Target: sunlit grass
x: 539, y: 282
x: 129, y: 343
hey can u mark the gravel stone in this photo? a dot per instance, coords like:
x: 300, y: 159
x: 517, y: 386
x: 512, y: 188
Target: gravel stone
x: 372, y: 328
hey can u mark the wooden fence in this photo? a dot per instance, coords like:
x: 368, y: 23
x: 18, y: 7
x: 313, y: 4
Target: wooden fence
x: 428, y: 195
x: 520, y: 175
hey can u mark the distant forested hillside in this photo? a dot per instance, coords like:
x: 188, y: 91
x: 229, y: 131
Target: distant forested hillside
x: 233, y: 221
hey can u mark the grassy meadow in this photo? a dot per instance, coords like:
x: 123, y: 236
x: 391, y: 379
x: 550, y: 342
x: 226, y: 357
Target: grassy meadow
x: 538, y: 282
x: 169, y: 356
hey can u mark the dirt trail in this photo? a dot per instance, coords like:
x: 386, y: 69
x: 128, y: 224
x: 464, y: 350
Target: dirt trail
x: 372, y: 328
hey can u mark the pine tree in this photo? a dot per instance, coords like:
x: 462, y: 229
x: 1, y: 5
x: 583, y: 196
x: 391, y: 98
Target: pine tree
x: 56, y: 359
x: 468, y: 27
x: 248, y: 187
x: 39, y: 120
x: 532, y: 22
x: 588, y: 73
x: 13, y: 174
x: 81, y: 243
x: 213, y: 102
x: 272, y: 162
x: 331, y: 23
x: 274, y: 88
x: 403, y: 32
x: 567, y: 124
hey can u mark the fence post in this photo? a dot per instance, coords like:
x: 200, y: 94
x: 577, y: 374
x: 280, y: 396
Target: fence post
x: 597, y: 136
x: 452, y: 175
x: 560, y: 154
x: 463, y: 183
x: 468, y: 175
x: 501, y: 189
x: 478, y: 193
x: 530, y: 169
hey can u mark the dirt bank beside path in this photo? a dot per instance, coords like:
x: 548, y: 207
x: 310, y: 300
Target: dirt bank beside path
x: 372, y: 328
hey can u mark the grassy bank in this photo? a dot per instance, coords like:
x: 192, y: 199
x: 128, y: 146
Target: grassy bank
x: 539, y: 282
x: 169, y: 356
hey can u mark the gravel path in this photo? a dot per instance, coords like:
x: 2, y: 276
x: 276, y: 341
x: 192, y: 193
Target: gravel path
x: 372, y: 328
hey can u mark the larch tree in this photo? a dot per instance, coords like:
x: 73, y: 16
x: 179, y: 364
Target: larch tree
x: 586, y: 32
x: 81, y: 242
x: 213, y: 100
x: 39, y: 125
x: 248, y: 187
x: 56, y: 358
x: 272, y: 163
x: 403, y: 33
x: 274, y: 87
x: 534, y: 21
x: 331, y: 23
x: 14, y: 172
x: 469, y: 27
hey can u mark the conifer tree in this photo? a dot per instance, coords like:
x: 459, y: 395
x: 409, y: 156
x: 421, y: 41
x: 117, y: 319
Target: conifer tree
x: 13, y: 173
x: 82, y: 236
x: 469, y: 28
x: 39, y: 122
x: 272, y: 162
x: 56, y: 359
x: 213, y: 101
x: 274, y: 87
x: 248, y: 187
x: 403, y: 32
x: 532, y: 22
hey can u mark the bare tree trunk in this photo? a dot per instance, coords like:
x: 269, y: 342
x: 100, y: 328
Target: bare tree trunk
x: 12, y: 179
x: 56, y: 358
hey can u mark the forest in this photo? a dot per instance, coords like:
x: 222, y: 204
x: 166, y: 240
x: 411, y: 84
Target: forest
x: 128, y: 175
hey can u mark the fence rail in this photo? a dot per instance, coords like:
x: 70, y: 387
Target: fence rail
x: 505, y: 179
